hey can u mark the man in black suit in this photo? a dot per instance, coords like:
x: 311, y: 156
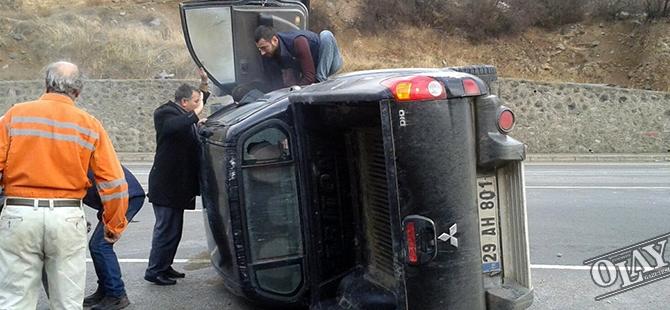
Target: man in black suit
x: 173, y: 180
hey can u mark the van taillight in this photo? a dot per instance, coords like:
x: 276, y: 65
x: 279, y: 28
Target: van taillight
x: 411, y: 243
x: 415, y: 88
x: 506, y: 120
x: 471, y: 87
x: 420, y: 241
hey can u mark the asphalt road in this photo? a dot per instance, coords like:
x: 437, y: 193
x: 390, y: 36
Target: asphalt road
x: 575, y: 212
x: 579, y: 211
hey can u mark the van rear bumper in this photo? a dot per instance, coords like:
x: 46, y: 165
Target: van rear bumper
x: 510, y: 295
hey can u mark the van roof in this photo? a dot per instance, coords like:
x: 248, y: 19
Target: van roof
x: 365, y: 86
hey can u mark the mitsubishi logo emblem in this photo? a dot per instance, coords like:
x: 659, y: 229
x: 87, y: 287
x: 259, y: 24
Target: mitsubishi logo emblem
x: 451, y: 236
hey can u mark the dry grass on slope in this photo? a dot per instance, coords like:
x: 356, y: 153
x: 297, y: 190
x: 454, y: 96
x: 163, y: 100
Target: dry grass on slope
x: 620, y: 54
x: 138, y: 39
x: 105, y: 42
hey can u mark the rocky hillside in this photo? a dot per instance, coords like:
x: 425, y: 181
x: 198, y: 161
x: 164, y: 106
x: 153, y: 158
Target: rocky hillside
x: 141, y: 39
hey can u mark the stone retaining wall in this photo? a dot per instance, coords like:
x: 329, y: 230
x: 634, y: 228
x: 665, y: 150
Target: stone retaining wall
x: 551, y: 117
x: 582, y: 118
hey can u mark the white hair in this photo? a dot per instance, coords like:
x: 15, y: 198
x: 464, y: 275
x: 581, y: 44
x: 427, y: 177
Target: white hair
x: 63, y: 77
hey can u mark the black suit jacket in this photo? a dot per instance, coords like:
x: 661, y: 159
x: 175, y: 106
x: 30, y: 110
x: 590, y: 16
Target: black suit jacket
x: 173, y: 180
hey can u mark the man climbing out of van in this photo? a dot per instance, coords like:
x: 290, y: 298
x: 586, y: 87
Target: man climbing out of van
x: 297, y: 57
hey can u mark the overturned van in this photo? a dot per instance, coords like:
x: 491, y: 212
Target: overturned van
x: 384, y: 189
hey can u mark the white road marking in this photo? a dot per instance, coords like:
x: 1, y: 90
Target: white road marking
x: 598, y: 187
x: 595, y: 163
x: 573, y: 267
x: 146, y: 260
x: 206, y: 261
x: 560, y: 267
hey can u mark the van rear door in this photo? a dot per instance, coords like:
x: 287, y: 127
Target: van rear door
x: 219, y: 36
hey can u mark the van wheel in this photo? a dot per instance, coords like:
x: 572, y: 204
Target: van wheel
x: 487, y: 73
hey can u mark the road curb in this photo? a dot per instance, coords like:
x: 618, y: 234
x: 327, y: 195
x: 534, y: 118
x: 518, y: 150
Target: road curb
x: 136, y: 157
x: 665, y: 157
x: 598, y: 158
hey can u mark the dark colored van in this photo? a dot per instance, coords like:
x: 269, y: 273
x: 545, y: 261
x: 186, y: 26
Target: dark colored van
x: 384, y: 189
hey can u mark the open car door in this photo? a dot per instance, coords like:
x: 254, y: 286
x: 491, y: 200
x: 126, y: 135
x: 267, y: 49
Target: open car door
x: 219, y: 37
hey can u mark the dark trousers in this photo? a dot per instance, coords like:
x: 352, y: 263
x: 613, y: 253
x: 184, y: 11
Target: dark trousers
x: 166, y: 237
x: 104, y: 259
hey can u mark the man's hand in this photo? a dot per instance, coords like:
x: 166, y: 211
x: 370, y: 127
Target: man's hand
x: 110, y: 236
x: 200, y: 107
x: 287, y: 76
x: 202, y: 121
x: 203, y: 75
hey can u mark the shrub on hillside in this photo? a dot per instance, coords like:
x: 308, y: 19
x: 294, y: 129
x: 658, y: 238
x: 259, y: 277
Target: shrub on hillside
x: 657, y: 8
x: 478, y: 19
x: 385, y: 15
x: 611, y: 9
x: 622, y: 9
x: 556, y: 13
x: 483, y: 19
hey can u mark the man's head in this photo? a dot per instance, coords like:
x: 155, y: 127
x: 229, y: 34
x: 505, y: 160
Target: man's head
x: 240, y: 91
x: 266, y: 41
x: 64, y: 78
x: 187, y: 97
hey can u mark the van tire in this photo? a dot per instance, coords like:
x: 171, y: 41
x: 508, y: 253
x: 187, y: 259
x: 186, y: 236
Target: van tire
x: 487, y: 73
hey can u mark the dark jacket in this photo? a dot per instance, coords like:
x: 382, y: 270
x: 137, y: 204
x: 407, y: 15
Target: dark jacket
x: 92, y: 198
x: 173, y: 180
x: 287, y: 59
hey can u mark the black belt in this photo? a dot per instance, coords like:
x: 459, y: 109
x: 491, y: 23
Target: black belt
x: 42, y: 202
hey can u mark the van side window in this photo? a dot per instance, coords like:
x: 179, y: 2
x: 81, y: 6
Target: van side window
x: 272, y: 211
x: 267, y: 146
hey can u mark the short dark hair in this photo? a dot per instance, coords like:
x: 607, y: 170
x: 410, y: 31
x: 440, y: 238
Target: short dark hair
x: 184, y: 91
x: 264, y: 32
x: 240, y: 91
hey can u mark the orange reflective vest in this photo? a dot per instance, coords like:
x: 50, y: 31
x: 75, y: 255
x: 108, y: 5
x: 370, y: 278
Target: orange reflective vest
x: 46, y: 149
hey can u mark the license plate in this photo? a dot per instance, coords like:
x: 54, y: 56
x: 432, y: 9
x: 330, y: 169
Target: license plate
x: 487, y: 204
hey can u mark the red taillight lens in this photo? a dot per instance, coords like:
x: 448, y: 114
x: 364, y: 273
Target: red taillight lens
x: 415, y: 88
x: 506, y: 120
x: 471, y: 87
x: 411, y: 242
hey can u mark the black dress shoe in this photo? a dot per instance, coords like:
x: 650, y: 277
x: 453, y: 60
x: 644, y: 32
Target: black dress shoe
x: 112, y: 303
x: 94, y: 298
x: 174, y: 274
x: 160, y: 279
